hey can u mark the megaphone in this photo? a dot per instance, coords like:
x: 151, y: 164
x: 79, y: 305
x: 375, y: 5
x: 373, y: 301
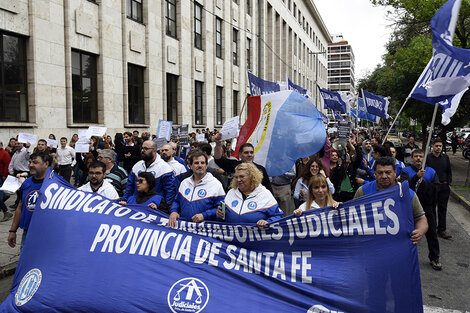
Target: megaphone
x: 339, y: 145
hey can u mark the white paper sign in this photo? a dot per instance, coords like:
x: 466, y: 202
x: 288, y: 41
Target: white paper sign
x: 82, y: 147
x: 230, y: 128
x: 52, y: 142
x: 11, y: 184
x: 164, y: 129
x: 84, y: 133
x: 332, y: 130
x: 200, y: 137
x: 25, y: 138
x: 96, y: 131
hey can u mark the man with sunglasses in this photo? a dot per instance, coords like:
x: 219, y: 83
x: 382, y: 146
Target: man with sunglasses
x: 166, y: 184
x: 97, y: 183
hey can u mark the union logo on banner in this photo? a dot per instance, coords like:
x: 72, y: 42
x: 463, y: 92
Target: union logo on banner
x: 188, y: 295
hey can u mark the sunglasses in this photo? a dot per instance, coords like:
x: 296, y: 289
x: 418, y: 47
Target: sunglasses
x: 140, y: 181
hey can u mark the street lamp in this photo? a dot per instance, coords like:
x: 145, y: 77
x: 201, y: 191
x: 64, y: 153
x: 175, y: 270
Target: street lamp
x: 316, y: 74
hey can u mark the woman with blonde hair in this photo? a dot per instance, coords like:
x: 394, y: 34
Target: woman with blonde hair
x: 249, y: 201
x: 319, y: 195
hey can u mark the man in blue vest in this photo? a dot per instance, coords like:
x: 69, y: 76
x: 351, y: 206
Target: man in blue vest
x: 385, y: 174
x: 425, y: 183
x: 29, y: 191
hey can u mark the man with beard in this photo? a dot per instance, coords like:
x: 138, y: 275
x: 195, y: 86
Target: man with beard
x: 167, y: 152
x: 29, y: 192
x: 425, y: 183
x: 97, y: 183
x: 198, y: 195
x: 151, y: 162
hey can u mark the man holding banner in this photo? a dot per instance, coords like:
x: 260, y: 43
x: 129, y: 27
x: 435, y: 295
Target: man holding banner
x: 29, y: 192
x: 385, y: 174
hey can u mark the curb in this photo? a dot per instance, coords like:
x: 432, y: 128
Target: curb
x: 460, y: 199
x: 8, y: 270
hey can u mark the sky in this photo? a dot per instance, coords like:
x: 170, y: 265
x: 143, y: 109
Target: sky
x: 363, y: 25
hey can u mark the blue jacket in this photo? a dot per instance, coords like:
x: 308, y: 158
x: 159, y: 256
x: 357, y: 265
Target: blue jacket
x: 259, y: 205
x: 155, y: 199
x: 202, y: 198
x: 165, y: 182
x: 428, y: 175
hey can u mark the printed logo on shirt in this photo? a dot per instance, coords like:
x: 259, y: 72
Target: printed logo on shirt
x: 31, y: 199
x: 234, y: 203
x: 252, y: 205
x: 202, y: 193
x: 187, y: 191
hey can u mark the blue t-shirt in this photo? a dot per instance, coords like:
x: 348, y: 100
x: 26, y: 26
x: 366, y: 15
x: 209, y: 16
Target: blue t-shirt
x: 29, y: 196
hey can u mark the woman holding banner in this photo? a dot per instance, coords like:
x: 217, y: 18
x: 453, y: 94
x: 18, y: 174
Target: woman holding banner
x: 319, y: 195
x: 248, y: 201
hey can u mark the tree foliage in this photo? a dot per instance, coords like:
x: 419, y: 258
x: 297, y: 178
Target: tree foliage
x: 408, y: 51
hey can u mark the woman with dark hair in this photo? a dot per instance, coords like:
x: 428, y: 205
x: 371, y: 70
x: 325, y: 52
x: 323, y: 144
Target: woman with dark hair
x: 146, y: 193
x: 313, y: 167
x: 52, y: 150
x: 108, y: 142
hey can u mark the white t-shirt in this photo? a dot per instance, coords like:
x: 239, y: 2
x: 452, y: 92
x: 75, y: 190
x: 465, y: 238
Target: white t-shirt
x: 314, y: 205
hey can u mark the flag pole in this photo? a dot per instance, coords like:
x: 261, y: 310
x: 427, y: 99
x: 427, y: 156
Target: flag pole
x: 394, y: 121
x: 429, y: 136
x: 243, y: 106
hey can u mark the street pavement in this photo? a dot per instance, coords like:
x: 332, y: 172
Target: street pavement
x: 446, y: 291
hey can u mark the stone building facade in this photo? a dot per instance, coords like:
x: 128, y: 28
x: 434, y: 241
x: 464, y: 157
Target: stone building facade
x: 126, y: 64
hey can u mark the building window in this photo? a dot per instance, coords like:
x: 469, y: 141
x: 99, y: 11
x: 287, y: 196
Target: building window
x: 171, y: 18
x: 248, y: 53
x: 294, y: 10
x: 218, y: 37
x: 235, y: 103
x: 289, y: 4
x: 13, y: 93
x: 198, y: 103
x: 235, y: 47
x: 85, y: 107
x: 172, y: 98
x: 248, y: 7
x: 135, y: 89
x: 134, y: 10
x: 197, y: 25
x: 218, y: 105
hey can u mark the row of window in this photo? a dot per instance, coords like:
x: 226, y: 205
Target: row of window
x: 13, y: 88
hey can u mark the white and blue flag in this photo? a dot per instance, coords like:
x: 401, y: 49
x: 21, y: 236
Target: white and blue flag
x: 447, y: 75
x: 375, y: 104
x: 337, y: 116
x: 292, y: 86
x: 333, y: 100
x: 259, y: 86
x: 362, y: 112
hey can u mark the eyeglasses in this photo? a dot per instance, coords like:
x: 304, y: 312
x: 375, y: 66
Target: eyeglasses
x: 140, y: 181
x: 146, y: 149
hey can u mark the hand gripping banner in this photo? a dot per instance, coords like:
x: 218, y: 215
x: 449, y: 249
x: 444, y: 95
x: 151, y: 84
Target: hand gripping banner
x: 84, y: 253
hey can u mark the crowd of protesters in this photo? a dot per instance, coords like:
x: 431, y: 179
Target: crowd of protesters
x: 191, y: 181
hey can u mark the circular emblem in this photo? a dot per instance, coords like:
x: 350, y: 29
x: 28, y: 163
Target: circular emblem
x: 188, y: 295
x: 234, y: 203
x: 28, y: 286
x: 252, y: 205
x: 31, y: 199
x: 187, y: 191
x: 201, y: 193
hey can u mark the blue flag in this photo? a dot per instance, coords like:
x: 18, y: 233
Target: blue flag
x: 292, y: 86
x: 333, y: 100
x: 447, y: 75
x: 362, y: 112
x: 337, y: 116
x: 376, y: 105
x: 259, y: 86
x: 353, y: 113
x: 85, y: 253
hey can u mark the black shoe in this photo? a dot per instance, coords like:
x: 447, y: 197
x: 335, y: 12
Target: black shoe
x: 444, y: 235
x: 436, y: 265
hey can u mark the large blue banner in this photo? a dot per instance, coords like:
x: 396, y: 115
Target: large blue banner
x: 85, y: 253
x: 362, y: 112
x: 260, y: 87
